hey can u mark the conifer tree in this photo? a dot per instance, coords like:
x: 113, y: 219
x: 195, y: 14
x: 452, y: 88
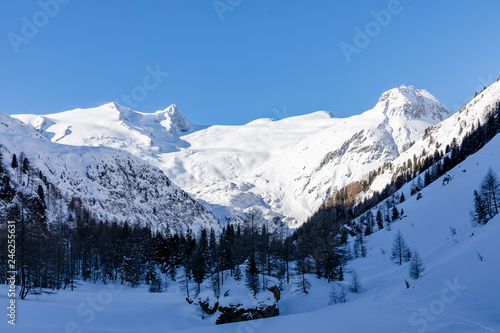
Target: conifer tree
x: 480, y: 215
x: 416, y: 266
x: 302, y: 283
x: 252, y: 275
x: 237, y: 273
x: 380, y: 221
x: 490, y: 191
x: 395, y: 213
x: 355, y: 281
x: 14, y: 163
x: 200, y: 259
x: 153, y: 279
x: 359, y: 245
x: 400, y: 251
x: 2, y: 169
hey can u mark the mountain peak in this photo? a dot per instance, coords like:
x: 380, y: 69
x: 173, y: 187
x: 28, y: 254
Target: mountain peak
x: 174, y: 120
x: 411, y: 103
x: 170, y: 118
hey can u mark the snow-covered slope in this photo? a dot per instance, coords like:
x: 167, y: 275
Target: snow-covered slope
x: 287, y: 167
x: 114, y: 184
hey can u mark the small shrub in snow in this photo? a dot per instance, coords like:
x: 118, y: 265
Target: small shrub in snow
x: 355, y: 282
x: 338, y: 295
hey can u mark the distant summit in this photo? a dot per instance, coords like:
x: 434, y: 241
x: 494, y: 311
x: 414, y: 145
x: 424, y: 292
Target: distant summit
x: 411, y: 104
x: 175, y: 121
x: 112, y: 125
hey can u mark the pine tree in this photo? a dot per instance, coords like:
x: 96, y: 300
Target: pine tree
x: 26, y: 165
x: 252, y: 275
x: 402, y: 199
x: 416, y: 266
x: 400, y: 251
x: 355, y: 281
x: 339, y: 296
x: 480, y: 215
x: 344, y: 236
x: 359, y: 245
x: 419, y: 185
x: 427, y: 179
x: 14, y: 163
x: 41, y: 194
x: 263, y: 254
x: 490, y: 191
x: 200, y: 259
x: 302, y: 283
x: 380, y: 221
x: 153, y: 279
x: 237, y: 273
x: 368, y: 229
x: 395, y: 213
x: 2, y: 169
x: 454, y: 150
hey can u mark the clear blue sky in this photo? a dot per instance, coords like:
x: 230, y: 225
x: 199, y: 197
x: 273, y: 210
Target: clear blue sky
x: 264, y: 55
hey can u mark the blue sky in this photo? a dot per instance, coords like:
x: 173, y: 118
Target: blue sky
x: 244, y: 59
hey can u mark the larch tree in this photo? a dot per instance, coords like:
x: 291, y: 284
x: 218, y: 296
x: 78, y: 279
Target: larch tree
x: 400, y: 252
x: 490, y: 190
x: 480, y: 214
x: 252, y: 275
x: 416, y: 266
x: 355, y: 281
x: 379, y: 219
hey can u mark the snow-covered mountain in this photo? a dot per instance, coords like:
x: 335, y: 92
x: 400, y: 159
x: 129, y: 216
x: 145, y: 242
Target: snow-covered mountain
x: 439, y: 136
x: 457, y: 291
x: 114, y: 184
x: 114, y: 126
x: 286, y: 168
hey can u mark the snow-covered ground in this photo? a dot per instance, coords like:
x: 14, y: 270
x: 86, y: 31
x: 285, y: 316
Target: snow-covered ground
x: 456, y: 293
